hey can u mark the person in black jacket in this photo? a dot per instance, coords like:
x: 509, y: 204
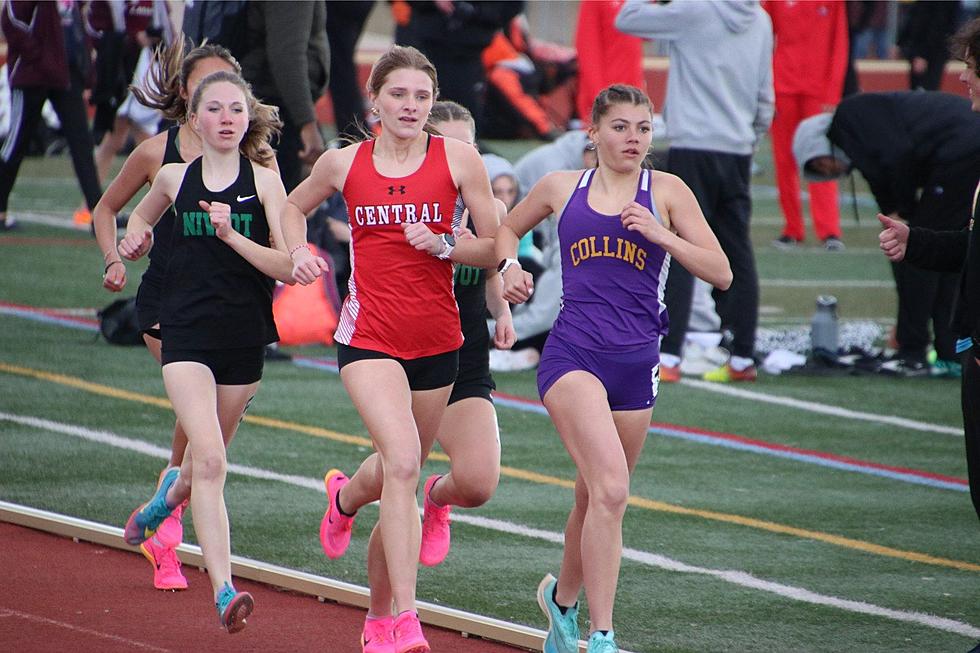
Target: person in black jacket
x: 287, y: 64
x: 922, y: 40
x: 452, y: 34
x: 954, y: 251
x: 47, y: 59
x: 920, y: 153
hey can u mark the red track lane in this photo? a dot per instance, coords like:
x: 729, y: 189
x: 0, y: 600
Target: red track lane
x: 58, y: 595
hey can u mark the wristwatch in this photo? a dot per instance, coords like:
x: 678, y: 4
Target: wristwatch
x: 504, y: 264
x: 448, y: 243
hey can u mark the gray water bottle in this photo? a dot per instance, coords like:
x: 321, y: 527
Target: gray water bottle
x: 823, y: 326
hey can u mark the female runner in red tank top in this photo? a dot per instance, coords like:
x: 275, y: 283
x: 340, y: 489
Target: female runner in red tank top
x: 399, y: 331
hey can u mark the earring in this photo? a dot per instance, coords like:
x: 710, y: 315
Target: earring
x: 374, y: 110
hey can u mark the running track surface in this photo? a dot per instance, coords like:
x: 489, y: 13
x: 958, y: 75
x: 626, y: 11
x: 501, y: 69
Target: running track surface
x: 59, y: 595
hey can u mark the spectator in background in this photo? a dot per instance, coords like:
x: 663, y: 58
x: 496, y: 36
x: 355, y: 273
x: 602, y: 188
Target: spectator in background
x: 719, y: 104
x: 808, y: 67
x: 606, y: 55
x: 132, y: 117
x: 922, y: 40
x: 920, y: 153
x: 452, y: 34
x: 48, y: 59
x: 287, y: 64
x: 345, y: 22
x: 519, y: 71
x: 114, y: 28
x: 868, y: 28
x: 533, y: 319
x: 506, y: 188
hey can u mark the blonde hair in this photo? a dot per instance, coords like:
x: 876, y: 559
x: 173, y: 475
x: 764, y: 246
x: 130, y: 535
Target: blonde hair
x: 263, y: 119
x: 169, y: 72
x: 448, y: 111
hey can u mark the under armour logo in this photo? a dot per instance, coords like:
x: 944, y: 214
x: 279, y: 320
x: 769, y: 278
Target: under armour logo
x: 392, y: 189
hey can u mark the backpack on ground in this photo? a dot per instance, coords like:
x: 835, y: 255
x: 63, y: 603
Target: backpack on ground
x: 118, y: 322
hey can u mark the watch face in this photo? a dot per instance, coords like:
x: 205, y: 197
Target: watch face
x: 450, y: 239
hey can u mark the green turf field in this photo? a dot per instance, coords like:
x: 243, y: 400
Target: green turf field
x: 753, y: 543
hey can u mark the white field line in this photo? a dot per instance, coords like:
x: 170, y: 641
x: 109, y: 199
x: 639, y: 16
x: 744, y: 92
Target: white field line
x: 824, y: 409
x: 798, y: 404
x: 52, y: 219
x: 7, y: 613
x: 734, y: 577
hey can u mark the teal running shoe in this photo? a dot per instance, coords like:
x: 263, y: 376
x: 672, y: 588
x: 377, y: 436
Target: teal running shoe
x: 944, y: 369
x: 600, y: 643
x: 143, y: 523
x: 562, y: 628
x: 233, y: 608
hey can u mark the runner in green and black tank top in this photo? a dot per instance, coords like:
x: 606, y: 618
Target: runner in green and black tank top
x: 213, y: 298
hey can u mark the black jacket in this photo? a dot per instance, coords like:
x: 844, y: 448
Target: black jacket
x: 898, y: 139
x: 953, y: 251
x: 467, y: 31
x: 288, y: 56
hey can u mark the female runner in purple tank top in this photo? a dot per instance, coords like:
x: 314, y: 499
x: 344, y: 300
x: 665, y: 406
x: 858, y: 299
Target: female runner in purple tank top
x: 619, y: 225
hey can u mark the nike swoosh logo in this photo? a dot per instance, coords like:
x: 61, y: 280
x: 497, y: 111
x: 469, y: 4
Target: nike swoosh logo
x: 244, y: 199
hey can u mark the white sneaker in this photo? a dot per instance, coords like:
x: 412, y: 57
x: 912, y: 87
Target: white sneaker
x: 699, y: 359
x: 503, y: 360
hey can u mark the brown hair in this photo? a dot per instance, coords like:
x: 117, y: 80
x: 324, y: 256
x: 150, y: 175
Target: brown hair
x: 396, y: 58
x: 966, y: 43
x: 263, y: 119
x: 169, y: 72
x: 618, y: 94
x: 448, y: 111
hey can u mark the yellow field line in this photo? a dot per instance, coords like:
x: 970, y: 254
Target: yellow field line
x: 522, y: 474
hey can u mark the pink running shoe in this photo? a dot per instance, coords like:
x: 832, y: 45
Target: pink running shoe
x: 435, y: 528
x: 166, y: 565
x: 170, y: 532
x: 378, y: 635
x: 408, y: 634
x: 335, y: 528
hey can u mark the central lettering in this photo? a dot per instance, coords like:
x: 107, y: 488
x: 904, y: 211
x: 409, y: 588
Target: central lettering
x: 368, y: 215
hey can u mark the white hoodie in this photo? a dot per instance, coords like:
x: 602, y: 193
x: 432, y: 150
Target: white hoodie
x: 719, y: 88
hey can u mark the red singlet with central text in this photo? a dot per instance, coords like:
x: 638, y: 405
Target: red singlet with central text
x: 400, y: 299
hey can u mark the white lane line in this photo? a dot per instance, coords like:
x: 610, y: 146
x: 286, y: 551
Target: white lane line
x: 823, y: 409
x: 734, y: 577
x: 712, y: 387
x: 6, y: 613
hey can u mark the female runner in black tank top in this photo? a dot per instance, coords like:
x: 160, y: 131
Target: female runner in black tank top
x: 216, y: 315
x: 178, y: 73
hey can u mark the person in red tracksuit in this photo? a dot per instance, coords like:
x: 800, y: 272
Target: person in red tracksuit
x: 605, y: 55
x: 809, y: 63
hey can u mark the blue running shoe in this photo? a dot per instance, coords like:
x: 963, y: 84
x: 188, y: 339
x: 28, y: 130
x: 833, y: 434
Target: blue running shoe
x: 562, y: 628
x: 143, y: 523
x: 600, y: 643
x: 233, y: 608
